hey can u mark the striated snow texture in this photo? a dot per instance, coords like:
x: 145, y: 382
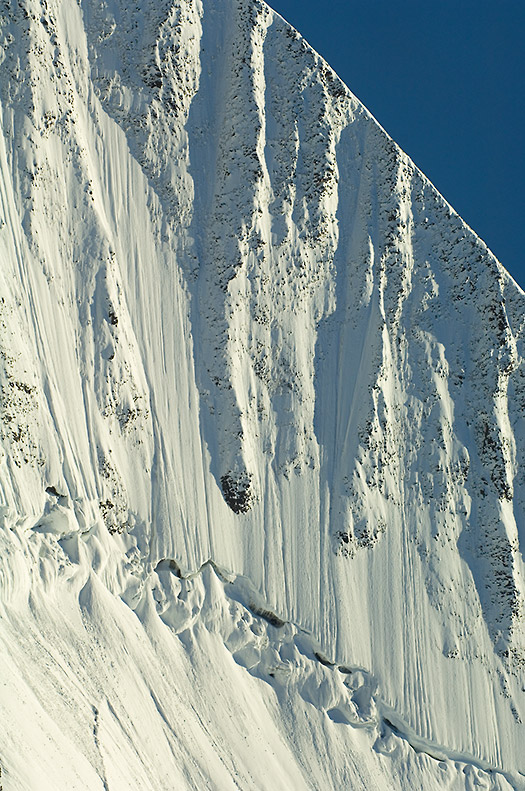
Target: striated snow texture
x: 262, y: 405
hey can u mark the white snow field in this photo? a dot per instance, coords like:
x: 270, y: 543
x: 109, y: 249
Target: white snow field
x: 262, y: 413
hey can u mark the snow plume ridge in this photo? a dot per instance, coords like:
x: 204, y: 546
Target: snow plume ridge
x: 237, y: 323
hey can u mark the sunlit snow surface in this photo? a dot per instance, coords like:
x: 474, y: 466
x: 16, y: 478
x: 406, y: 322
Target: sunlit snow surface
x: 261, y: 417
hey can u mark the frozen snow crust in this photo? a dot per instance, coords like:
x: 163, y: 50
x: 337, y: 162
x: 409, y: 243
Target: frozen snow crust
x: 261, y: 416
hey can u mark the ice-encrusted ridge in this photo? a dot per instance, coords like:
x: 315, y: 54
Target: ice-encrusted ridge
x: 259, y: 642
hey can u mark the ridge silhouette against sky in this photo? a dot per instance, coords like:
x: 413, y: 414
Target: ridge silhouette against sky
x: 446, y: 81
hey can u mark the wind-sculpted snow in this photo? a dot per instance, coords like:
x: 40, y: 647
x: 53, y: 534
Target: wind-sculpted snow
x: 207, y: 687
x: 237, y: 323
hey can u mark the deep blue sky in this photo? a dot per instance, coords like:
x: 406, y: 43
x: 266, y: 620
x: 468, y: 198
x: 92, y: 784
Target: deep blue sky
x: 446, y: 79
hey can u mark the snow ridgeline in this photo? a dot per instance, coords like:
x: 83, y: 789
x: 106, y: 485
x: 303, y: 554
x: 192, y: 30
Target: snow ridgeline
x: 207, y: 688
x: 238, y: 324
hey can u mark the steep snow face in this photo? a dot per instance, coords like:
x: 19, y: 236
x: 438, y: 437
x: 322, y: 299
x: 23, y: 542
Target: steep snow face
x: 237, y: 325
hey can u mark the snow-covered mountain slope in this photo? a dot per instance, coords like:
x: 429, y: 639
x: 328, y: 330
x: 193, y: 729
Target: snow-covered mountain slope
x: 262, y: 416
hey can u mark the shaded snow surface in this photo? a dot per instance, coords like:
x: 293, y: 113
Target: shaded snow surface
x: 261, y: 417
